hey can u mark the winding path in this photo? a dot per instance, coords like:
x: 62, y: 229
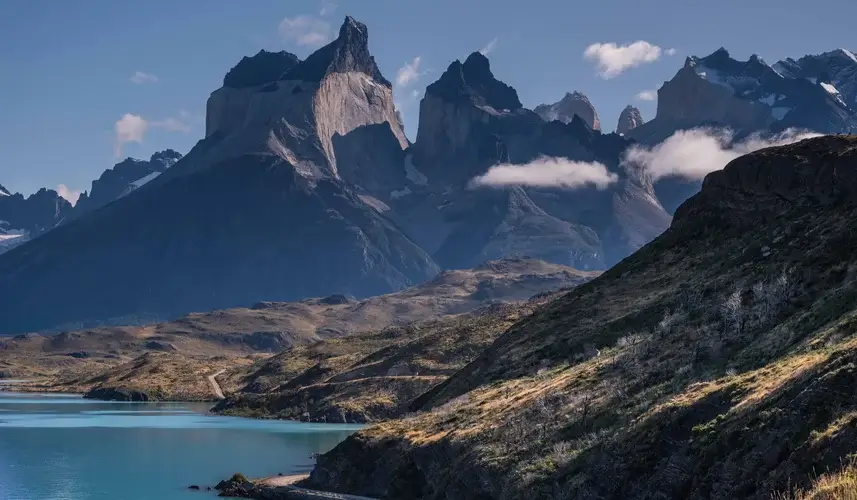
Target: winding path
x: 214, y: 385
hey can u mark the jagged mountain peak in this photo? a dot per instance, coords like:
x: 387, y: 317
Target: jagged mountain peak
x: 4, y: 191
x: 348, y: 53
x: 573, y: 104
x: 262, y: 68
x: 629, y: 119
x: 474, y: 82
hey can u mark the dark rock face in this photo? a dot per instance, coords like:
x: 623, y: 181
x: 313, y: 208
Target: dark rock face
x: 571, y: 105
x: 771, y: 181
x: 262, y: 68
x: 123, y: 178
x: 116, y: 394
x: 474, y: 83
x: 348, y: 53
x: 629, y: 119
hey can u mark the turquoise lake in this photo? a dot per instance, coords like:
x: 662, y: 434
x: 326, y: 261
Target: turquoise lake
x: 68, y: 448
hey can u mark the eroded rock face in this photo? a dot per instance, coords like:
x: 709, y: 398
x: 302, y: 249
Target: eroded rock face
x: 629, y: 119
x: 565, y: 109
x: 334, y: 92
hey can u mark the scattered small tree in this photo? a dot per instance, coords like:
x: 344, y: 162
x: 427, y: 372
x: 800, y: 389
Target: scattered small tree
x: 732, y: 312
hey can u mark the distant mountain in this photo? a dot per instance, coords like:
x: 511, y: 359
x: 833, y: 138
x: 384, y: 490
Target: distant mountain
x: 813, y: 93
x: 23, y: 218
x: 630, y: 118
x: 752, y: 96
x: 471, y: 121
x: 571, y: 105
x: 123, y: 178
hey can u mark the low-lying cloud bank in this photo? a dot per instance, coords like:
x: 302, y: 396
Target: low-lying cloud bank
x: 693, y: 154
x: 547, y: 172
x: 690, y: 154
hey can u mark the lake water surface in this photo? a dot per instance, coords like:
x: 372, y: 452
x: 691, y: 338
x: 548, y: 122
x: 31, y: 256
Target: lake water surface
x: 68, y: 448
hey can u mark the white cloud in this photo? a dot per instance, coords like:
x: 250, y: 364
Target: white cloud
x: 129, y: 128
x: 140, y: 78
x: 69, y: 194
x: 671, y: 52
x: 547, y: 172
x: 692, y: 154
x: 613, y: 59
x: 648, y: 95
x: 327, y: 8
x: 409, y: 73
x: 487, y: 49
x: 306, y: 31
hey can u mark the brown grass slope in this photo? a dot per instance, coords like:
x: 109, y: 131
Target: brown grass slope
x: 180, y: 352
x: 719, y: 361
x: 371, y: 376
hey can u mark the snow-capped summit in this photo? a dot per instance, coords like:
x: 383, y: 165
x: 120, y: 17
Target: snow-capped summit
x: 814, y: 92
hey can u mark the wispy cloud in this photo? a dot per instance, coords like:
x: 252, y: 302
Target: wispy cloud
x: 671, y: 52
x: 489, y: 47
x: 547, y: 172
x: 133, y: 128
x: 327, y: 8
x: 613, y: 59
x: 409, y: 73
x: 71, y: 195
x: 306, y: 31
x: 141, y: 78
x: 692, y: 154
x: 648, y: 95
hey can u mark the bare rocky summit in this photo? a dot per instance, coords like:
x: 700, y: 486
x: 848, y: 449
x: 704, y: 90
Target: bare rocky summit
x: 630, y: 118
x: 571, y: 105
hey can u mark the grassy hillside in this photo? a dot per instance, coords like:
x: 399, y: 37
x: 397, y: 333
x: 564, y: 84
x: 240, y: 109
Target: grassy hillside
x: 719, y: 361
x: 370, y: 376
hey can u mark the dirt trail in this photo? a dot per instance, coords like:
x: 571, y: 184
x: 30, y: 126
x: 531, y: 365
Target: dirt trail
x: 214, y: 385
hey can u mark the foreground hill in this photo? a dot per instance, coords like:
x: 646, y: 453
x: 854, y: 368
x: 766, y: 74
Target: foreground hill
x: 716, y: 362
x: 83, y: 359
x: 370, y: 376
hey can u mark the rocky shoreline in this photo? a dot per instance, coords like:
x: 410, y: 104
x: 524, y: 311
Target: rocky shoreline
x: 276, y: 488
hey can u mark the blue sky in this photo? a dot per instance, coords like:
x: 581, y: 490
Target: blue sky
x: 67, y: 67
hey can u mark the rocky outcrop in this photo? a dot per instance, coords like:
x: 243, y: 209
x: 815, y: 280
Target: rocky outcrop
x: 630, y: 118
x: 338, y: 90
x: 571, y: 105
x: 772, y: 181
x: 264, y: 67
x: 117, y: 394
